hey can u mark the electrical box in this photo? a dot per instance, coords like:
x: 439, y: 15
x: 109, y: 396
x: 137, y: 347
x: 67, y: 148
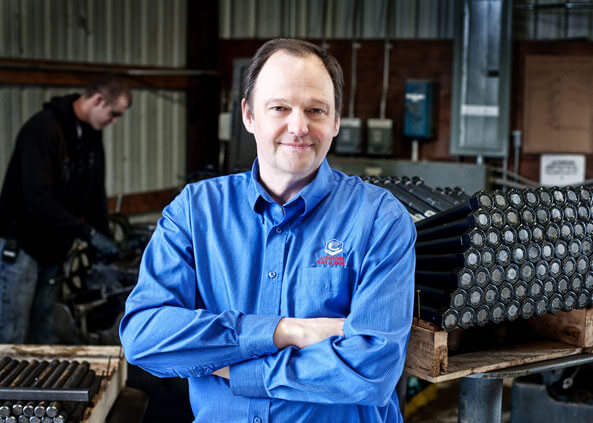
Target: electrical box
x: 349, y: 139
x: 419, y: 109
x: 380, y: 137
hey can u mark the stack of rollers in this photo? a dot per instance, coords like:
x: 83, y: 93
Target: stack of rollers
x: 501, y: 256
x: 421, y: 200
x: 43, y: 379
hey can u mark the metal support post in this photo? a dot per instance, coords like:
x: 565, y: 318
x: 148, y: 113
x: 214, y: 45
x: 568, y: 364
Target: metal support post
x: 480, y: 400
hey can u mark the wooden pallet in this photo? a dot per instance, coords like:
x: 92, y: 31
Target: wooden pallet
x: 432, y: 358
x: 104, y: 360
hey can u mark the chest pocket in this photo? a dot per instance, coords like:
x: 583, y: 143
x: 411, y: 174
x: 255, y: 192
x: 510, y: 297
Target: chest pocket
x: 321, y: 292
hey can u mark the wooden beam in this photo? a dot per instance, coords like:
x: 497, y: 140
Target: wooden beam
x: 74, y: 74
x: 142, y: 202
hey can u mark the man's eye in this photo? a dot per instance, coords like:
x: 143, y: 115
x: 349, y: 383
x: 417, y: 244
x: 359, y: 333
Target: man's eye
x: 317, y: 111
x: 278, y: 108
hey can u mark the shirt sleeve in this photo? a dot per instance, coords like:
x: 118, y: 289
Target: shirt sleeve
x: 166, y: 329
x: 364, y: 366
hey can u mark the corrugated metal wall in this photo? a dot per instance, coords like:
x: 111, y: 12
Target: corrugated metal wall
x: 558, y: 23
x: 146, y: 149
x: 333, y: 19
x: 317, y: 19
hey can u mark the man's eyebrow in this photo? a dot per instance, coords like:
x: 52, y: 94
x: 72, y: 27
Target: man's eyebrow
x: 313, y: 102
x: 275, y: 100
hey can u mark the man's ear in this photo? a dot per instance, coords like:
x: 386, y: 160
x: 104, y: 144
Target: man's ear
x: 337, y: 126
x: 247, y: 115
x: 97, y: 99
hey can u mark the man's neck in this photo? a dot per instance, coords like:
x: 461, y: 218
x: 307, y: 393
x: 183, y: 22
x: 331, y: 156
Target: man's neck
x: 283, y: 188
x: 80, y: 109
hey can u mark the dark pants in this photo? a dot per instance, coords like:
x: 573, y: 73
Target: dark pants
x: 27, y: 295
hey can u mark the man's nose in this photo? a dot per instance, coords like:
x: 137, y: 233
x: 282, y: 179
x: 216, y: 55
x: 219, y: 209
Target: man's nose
x: 298, y: 124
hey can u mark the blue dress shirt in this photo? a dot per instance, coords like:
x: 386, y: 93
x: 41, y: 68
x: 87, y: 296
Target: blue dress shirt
x: 226, y: 263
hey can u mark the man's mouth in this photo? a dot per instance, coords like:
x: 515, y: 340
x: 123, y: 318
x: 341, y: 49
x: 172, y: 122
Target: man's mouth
x: 297, y: 146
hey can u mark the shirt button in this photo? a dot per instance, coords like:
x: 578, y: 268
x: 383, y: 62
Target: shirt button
x: 278, y: 230
x: 257, y: 420
x: 272, y: 275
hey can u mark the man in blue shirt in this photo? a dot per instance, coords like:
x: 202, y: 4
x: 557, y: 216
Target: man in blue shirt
x: 283, y: 294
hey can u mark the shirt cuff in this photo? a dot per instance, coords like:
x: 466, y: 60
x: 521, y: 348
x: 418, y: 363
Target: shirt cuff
x: 247, y: 379
x: 256, y: 335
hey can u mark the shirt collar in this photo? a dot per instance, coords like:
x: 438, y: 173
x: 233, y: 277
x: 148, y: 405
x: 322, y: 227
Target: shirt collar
x: 311, y: 194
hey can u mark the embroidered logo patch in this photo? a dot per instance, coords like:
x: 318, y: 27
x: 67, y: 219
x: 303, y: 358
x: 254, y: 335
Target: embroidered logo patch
x: 333, y: 247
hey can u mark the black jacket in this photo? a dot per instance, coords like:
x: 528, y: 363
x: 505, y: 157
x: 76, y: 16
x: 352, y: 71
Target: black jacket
x: 54, y: 188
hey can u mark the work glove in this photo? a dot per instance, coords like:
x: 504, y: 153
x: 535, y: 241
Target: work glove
x: 104, y: 246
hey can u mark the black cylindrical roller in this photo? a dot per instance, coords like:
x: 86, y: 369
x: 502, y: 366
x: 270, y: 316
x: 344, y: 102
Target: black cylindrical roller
x: 527, y: 308
x: 518, y: 253
x: 545, y: 198
x: 562, y: 284
x: 505, y: 293
x: 520, y: 291
x: 579, y: 229
x: 445, y: 318
x: 512, y: 310
x: 450, y: 280
x: 558, y: 196
x: 482, y: 315
x: 575, y: 283
x: 549, y: 285
x: 478, y: 219
x: 534, y: 252
x: 541, y: 306
x: 497, y: 274
x: 555, y: 268
x: 503, y: 255
x: 515, y: 198
x: 482, y: 276
x: 531, y: 197
x: 466, y: 317
x: 524, y: 235
x: 538, y: 233
x: 569, y: 301
x: 570, y: 213
x: 535, y: 289
x: 528, y: 216
x: 497, y: 312
x: 490, y: 294
x: 488, y: 257
x: 556, y: 215
x: 479, y: 200
x: 500, y: 200
x: 512, y: 217
x: 498, y: 218
x: 541, y: 269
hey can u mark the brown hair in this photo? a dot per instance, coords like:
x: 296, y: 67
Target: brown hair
x: 112, y: 86
x: 298, y: 48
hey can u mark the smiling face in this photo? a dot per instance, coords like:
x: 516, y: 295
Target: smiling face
x: 292, y: 117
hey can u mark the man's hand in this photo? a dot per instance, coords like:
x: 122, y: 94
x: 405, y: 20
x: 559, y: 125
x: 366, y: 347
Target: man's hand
x: 104, y: 246
x: 224, y: 372
x: 304, y: 332
x: 300, y: 333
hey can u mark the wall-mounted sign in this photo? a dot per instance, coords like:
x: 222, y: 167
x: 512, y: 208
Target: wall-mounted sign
x: 562, y: 169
